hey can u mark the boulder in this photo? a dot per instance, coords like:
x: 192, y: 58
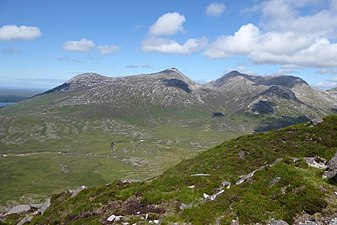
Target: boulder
x: 331, y: 170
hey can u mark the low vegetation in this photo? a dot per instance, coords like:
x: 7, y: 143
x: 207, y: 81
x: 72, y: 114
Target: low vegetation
x: 282, y: 186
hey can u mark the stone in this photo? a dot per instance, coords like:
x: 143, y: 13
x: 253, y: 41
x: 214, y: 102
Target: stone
x: 78, y: 190
x: 111, y: 218
x: 200, y: 175
x: 18, y: 209
x: 278, y: 222
x: 331, y: 170
x: 235, y: 222
x: 241, y: 155
x: 243, y: 178
x: 156, y: 221
x: 44, y: 206
x: 275, y: 181
x: 226, y: 184
x: 316, y: 121
x: 206, y: 196
x: 316, y: 162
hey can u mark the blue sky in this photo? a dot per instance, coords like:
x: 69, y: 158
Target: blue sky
x: 44, y: 43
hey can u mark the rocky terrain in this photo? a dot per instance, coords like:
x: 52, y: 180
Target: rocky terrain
x: 286, y: 176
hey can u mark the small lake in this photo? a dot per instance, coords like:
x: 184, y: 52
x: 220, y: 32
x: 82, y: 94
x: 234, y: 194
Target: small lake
x: 2, y: 104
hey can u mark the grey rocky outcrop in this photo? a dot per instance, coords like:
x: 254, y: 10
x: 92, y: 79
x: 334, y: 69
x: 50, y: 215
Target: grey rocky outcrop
x: 18, y: 209
x: 331, y: 170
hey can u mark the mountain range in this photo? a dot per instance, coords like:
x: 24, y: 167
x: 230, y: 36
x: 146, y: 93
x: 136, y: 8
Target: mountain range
x: 234, y: 101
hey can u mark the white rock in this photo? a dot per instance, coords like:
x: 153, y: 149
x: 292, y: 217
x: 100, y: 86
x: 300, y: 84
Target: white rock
x: 200, y: 175
x: 78, y: 190
x: 206, y: 196
x: 111, y: 218
x: 156, y: 221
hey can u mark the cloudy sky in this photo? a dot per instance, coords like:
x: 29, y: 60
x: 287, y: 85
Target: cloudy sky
x: 44, y: 43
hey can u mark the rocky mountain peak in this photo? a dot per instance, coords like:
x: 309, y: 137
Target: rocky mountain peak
x: 173, y: 75
x: 287, y: 81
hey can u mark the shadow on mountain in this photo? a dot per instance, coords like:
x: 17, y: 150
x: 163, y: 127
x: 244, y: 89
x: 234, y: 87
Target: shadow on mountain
x: 263, y: 107
x: 277, y: 123
x: 178, y: 84
x: 62, y: 87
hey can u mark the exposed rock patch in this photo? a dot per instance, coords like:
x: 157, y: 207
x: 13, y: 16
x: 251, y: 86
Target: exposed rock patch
x: 331, y: 170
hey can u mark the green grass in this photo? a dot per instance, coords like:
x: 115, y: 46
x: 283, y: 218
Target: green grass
x: 37, y: 168
x: 301, y: 189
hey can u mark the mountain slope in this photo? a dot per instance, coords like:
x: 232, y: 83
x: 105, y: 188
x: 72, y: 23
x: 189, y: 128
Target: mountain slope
x: 251, y: 179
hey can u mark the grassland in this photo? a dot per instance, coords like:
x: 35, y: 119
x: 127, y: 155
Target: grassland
x: 300, y: 189
x: 34, y: 168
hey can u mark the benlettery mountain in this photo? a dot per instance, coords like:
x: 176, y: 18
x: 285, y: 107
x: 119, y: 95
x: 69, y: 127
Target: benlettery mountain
x: 94, y: 129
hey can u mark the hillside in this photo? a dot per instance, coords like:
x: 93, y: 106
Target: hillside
x: 95, y: 129
x: 251, y: 179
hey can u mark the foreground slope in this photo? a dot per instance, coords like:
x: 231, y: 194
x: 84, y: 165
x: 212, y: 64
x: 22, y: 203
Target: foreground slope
x: 251, y: 179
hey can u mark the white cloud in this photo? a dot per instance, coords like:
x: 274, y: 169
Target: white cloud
x: 294, y: 16
x: 167, y: 24
x: 13, y: 32
x: 164, y: 45
x: 287, y: 48
x: 215, y: 9
x: 326, y: 85
x: 82, y: 45
x: 107, y: 49
x: 327, y: 71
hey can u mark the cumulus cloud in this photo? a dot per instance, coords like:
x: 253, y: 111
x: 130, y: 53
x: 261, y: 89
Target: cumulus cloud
x: 328, y: 84
x: 167, y: 24
x: 215, y: 9
x: 82, y: 45
x: 107, y: 49
x: 292, y: 15
x: 13, y: 32
x: 327, y: 71
x: 164, y: 45
x: 275, y: 47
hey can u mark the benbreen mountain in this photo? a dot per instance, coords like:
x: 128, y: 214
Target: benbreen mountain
x: 280, y: 177
x: 236, y: 101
